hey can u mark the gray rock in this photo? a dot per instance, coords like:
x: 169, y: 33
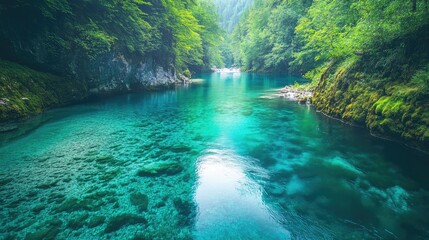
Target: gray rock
x: 115, y: 72
x: 160, y: 168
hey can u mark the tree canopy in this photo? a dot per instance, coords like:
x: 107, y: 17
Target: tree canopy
x: 184, y: 33
x: 299, y: 35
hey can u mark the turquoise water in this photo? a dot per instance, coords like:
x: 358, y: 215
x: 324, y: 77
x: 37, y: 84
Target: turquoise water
x: 219, y: 159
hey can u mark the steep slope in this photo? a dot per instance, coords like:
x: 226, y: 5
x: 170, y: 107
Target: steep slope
x: 387, y: 91
x: 230, y: 12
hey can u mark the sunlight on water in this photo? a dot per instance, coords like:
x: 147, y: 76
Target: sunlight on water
x: 229, y: 201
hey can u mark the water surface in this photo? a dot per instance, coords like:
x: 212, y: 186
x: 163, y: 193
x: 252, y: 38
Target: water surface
x: 219, y: 159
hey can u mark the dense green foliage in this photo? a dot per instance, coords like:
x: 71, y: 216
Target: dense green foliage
x: 230, y: 12
x: 338, y: 29
x: 265, y: 38
x: 182, y: 33
x: 301, y: 35
x: 368, y: 59
x: 205, y: 12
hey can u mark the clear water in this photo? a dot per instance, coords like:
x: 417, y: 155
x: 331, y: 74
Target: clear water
x: 219, y: 159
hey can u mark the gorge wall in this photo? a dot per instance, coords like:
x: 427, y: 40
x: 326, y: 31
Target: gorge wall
x: 60, y: 51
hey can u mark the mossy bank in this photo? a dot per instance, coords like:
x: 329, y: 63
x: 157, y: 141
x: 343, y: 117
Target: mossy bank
x: 386, y: 90
x: 25, y: 92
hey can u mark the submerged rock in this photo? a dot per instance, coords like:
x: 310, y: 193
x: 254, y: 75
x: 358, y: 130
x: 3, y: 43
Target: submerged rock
x: 96, y: 221
x: 78, y: 222
x: 107, y: 159
x: 107, y: 176
x: 180, y: 148
x: 71, y: 205
x: 90, y: 202
x: 117, y: 222
x: 8, y: 127
x: 160, y: 168
x: 48, y: 230
x: 295, y: 94
x: 37, y: 209
x: 48, y: 185
x: 140, y: 200
x: 183, y: 207
x: 5, y: 181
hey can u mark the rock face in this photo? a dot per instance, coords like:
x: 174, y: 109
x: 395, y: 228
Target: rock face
x: 26, y: 92
x: 110, y: 72
x: 116, y: 73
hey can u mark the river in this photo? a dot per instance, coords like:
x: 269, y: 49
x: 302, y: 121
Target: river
x: 218, y: 159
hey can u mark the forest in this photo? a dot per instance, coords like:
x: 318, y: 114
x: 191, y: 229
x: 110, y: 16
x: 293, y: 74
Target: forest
x: 184, y: 33
x: 368, y: 60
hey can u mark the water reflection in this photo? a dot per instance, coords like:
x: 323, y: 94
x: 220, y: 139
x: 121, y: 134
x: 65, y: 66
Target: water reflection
x: 230, y: 202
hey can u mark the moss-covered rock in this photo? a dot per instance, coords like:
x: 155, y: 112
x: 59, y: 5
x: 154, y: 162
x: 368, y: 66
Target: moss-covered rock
x: 96, y: 221
x: 25, y: 92
x: 160, y: 168
x: 140, y: 200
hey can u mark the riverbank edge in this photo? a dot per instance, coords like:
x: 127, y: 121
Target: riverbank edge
x: 374, y: 134
x: 348, y: 93
x: 26, y: 93
x: 303, y: 94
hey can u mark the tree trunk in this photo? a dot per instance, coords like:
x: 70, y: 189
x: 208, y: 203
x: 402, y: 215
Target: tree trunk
x: 414, y: 5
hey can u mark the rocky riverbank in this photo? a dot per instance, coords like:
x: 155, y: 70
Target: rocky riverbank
x: 301, y: 95
x: 26, y: 92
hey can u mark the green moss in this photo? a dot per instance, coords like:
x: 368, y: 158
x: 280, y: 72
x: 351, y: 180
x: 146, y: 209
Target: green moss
x: 390, y: 105
x: 25, y: 92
